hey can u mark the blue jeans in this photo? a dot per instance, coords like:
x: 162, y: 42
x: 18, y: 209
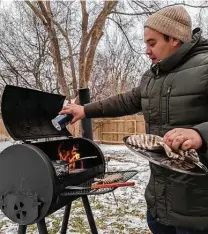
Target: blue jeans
x: 158, y: 228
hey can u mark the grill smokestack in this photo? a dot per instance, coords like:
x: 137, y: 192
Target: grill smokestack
x: 84, y: 98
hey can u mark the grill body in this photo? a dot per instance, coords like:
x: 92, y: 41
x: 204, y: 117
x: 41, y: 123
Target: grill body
x: 31, y: 186
x: 31, y: 180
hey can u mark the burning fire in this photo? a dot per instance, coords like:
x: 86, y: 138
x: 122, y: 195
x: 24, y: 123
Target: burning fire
x: 70, y: 156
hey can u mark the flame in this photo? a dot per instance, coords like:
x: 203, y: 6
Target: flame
x: 69, y: 156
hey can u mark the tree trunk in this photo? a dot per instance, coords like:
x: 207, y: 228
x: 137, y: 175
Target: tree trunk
x: 90, y: 40
x: 46, y: 16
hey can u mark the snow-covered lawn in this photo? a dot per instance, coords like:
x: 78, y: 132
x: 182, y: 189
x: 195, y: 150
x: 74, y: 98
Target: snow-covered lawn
x: 121, y: 212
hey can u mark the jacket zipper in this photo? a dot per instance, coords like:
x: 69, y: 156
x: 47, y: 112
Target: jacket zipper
x: 150, y: 111
x: 167, y: 104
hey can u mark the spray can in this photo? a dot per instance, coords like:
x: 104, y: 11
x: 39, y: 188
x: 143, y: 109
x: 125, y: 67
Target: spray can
x: 61, y: 121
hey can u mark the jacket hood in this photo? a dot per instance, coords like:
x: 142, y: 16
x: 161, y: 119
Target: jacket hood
x: 198, y: 44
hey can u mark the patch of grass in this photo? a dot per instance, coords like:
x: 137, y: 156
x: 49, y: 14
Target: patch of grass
x: 32, y: 228
x: 56, y: 225
x: 79, y: 225
x: 98, y: 206
x: 3, y: 223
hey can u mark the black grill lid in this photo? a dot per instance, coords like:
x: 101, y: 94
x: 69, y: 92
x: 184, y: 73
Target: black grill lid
x: 27, y: 113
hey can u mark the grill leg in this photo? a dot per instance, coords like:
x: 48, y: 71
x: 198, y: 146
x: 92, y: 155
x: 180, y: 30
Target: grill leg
x: 22, y: 229
x: 65, y: 219
x: 89, y: 214
x: 42, y: 227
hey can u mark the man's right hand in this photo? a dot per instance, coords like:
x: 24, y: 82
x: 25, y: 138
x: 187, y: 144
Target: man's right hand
x: 76, y: 110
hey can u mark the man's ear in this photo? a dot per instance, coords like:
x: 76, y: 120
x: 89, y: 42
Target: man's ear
x: 176, y: 42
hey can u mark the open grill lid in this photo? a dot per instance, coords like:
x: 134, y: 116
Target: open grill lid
x: 27, y: 113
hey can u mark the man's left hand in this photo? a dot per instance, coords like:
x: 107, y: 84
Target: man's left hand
x: 182, y: 138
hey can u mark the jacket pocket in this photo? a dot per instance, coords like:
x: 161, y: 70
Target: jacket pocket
x: 197, y: 200
x: 177, y: 198
x: 167, y: 104
x: 150, y: 192
x: 187, y: 199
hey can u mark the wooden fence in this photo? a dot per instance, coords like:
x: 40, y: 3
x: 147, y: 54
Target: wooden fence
x: 106, y: 130
x: 4, y: 136
x: 112, y: 131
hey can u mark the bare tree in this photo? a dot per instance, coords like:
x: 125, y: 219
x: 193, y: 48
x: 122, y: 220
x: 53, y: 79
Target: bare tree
x: 116, y: 68
x: 24, y: 50
x: 89, y: 40
x: 44, y: 13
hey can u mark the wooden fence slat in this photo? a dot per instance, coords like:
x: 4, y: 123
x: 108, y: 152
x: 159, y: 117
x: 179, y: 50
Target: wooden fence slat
x: 117, y: 133
x: 135, y: 126
x: 112, y: 142
x: 4, y: 135
x: 113, y: 120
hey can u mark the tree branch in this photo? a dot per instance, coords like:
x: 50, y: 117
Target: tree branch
x: 125, y: 36
x: 139, y: 13
x: 97, y: 33
x: 151, y: 12
x: 36, y: 12
x: 70, y: 56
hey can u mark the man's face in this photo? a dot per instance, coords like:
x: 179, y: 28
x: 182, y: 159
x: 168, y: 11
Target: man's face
x: 157, y: 48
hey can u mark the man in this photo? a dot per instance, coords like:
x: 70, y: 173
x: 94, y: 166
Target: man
x: 173, y: 96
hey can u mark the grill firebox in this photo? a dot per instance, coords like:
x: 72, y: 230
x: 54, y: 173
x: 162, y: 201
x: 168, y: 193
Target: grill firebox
x: 35, y: 174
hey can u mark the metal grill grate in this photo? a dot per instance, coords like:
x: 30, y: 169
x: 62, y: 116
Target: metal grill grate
x: 125, y: 174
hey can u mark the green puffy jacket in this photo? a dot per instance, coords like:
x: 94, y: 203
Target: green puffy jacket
x: 173, y: 93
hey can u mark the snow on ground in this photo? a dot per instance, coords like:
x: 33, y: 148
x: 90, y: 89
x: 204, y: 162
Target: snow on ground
x: 120, y: 212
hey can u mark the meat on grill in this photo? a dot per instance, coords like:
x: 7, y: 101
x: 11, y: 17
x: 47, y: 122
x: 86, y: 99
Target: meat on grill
x: 109, y: 179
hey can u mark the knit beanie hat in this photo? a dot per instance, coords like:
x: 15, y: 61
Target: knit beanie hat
x: 172, y: 21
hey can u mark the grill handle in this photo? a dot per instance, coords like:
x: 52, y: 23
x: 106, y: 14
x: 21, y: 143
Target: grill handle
x: 113, y: 185
x: 100, y: 186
